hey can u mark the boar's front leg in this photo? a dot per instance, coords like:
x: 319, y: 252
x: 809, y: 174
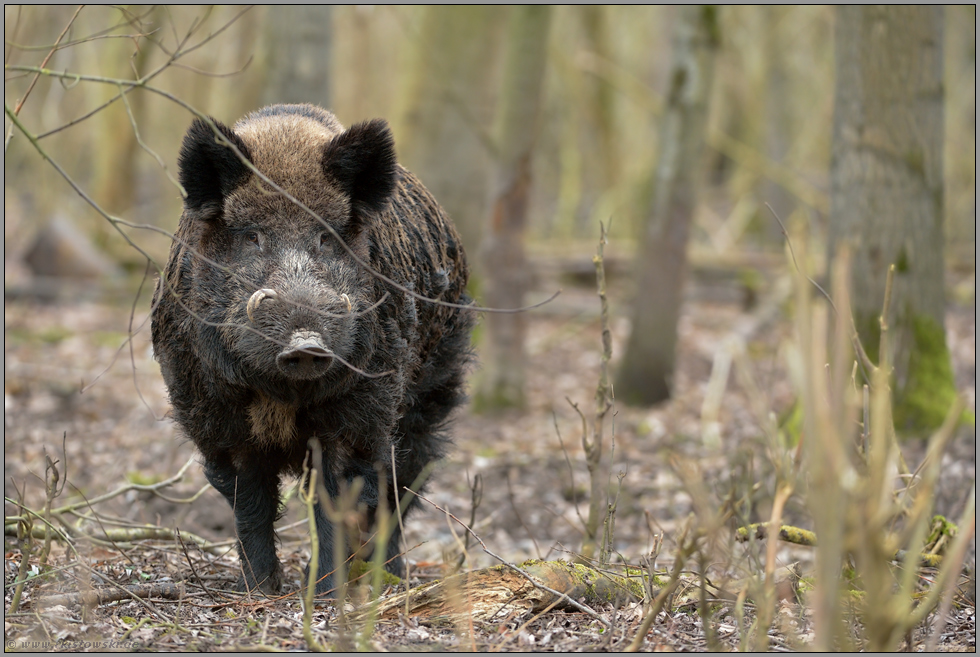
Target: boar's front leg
x: 253, y: 493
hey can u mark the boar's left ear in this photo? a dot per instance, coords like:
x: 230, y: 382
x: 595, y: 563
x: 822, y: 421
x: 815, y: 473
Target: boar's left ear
x: 362, y: 161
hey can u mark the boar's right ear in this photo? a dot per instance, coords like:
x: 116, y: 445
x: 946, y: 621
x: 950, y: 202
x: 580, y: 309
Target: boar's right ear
x: 209, y: 170
x: 362, y: 162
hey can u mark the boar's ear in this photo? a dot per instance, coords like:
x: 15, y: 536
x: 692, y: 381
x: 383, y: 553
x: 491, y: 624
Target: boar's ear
x: 209, y: 170
x: 362, y: 162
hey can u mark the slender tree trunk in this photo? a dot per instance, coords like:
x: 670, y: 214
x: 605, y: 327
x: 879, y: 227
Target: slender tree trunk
x: 117, y: 162
x: 444, y: 124
x: 647, y: 370
x: 602, y: 94
x: 298, y: 54
x: 507, y: 276
x: 887, y: 193
x: 778, y: 113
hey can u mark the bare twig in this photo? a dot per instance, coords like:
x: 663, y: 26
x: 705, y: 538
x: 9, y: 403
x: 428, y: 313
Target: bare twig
x: 309, y: 495
x: 190, y: 562
x: 54, y: 48
x: 685, y: 550
x: 476, y: 497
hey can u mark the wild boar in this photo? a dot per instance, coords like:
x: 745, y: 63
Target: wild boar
x: 272, y: 330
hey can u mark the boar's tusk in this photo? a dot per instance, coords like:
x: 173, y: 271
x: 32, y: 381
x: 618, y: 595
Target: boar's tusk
x: 347, y: 299
x: 256, y: 299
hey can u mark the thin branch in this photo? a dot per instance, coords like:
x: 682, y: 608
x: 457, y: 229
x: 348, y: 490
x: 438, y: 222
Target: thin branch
x: 209, y: 74
x: 129, y: 84
x: 20, y: 103
x: 98, y: 36
x: 152, y: 153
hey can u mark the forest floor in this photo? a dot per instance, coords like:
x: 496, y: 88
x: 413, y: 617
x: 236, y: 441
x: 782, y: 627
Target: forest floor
x: 534, y: 487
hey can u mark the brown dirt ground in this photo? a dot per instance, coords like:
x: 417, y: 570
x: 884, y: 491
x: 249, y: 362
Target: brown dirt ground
x: 108, y: 434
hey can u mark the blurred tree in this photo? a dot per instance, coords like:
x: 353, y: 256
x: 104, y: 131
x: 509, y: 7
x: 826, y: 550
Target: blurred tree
x: 446, y: 114
x: 778, y: 116
x: 887, y: 193
x: 647, y: 368
x: 116, y: 158
x: 601, y: 96
x: 506, y: 273
x: 297, y: 54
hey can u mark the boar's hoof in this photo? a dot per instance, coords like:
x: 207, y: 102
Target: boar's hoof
x: 256, y: 299
x: 270, y: 585
x: 305, y: 357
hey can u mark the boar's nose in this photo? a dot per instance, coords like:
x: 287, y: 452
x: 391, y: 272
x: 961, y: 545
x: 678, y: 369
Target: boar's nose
x: 305, y: 357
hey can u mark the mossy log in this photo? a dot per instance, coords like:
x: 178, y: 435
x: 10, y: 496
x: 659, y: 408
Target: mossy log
x: 501, y: 592
x: 932, y: 557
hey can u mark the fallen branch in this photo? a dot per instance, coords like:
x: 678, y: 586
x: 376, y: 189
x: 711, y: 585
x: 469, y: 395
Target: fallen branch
x: 805, y: 537
x: 166, y: 590
x: 127, y: 535
x: 501, y: 592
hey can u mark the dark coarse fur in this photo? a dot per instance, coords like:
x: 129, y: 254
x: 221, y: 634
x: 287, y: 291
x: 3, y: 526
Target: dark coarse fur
x: 241, y: 388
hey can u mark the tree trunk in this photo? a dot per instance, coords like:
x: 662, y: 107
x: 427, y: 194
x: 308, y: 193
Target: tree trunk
x: 444, y: 125
x: 602, y: 94
x: 778, y: 119
x: 297, y: 52
x: 504, y: 264
x: 117, y: 165
x: 887, y: 193
x: 647, y: 369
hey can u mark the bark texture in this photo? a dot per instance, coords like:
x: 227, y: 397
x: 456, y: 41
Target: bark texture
x: 887, y: 193
x: 444, y: 124
x: 504, y: 263
x: 298, y: 55
x: 646, y: 373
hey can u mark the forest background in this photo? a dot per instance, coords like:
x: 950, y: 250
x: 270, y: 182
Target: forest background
x: 591, y: 128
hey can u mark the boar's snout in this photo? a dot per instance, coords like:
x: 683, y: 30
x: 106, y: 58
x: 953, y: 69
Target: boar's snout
x: 305, y: 357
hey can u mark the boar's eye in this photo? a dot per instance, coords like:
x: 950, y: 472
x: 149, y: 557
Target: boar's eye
x: 324, y: 238
x: 252, y: 236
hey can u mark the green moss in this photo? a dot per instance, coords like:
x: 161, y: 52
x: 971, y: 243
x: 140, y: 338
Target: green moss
x: 54, y: 334
x: 108, y: 338
x: 141, y: 479
x: 921, y: 404
x: 940, y: 529
x: 596, y: 587
x: 709, y: 19
x: 605, y: 588
x: 359, y: 568
x: 916, y: 159
x: 500, y: 397
x: 902, y: 261
x: 752, y: 283
x: 929, y: 391
x: 48, y: 335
